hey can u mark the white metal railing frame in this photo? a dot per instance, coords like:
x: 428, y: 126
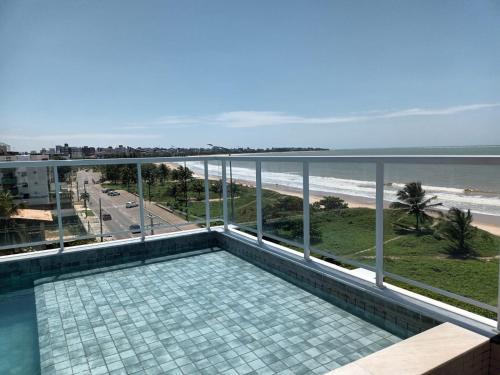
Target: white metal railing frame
x: 378, y: 161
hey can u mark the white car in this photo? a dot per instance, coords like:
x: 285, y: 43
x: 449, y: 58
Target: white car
x: 131, y: 204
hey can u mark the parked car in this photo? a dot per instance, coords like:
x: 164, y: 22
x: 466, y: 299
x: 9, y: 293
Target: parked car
x: 86, y: 182
x: 106, y: 190
x: 113, y: 193
x: 131, y: 204
x: 135, y: 228
x: 106, y: 216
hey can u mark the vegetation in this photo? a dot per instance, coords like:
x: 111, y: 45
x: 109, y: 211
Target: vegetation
x: 412, y: 199
x: 7, y: 225
x: 330, y: 203
x: 85, y: 198
x: 458, y: 230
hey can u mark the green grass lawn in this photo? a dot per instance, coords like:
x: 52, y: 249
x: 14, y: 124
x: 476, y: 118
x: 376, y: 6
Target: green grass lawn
x: 351, y: 233
x: 424, y: 258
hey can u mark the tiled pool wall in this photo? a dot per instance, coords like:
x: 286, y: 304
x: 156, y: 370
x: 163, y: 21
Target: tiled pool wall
x: 20, y: 274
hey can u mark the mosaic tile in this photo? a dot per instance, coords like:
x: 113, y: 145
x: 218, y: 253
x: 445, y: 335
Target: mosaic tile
x: 210, y: 313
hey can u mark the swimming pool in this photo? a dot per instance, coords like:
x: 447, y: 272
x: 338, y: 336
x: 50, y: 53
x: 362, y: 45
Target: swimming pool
x: 19, y: 352
x: 210, y: 313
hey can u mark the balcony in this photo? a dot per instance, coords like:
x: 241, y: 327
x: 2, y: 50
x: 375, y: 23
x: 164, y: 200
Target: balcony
x: 254, y: 264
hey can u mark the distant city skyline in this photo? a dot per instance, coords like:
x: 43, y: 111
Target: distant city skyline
x: 260, y: 74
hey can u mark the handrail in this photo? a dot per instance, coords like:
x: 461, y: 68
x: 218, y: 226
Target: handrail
x: 398, y: 159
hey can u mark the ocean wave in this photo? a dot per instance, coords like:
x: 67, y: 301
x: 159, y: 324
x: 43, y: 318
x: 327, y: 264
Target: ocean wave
x: 476, y: 201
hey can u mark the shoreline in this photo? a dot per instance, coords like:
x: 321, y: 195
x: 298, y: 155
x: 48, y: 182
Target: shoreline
x: 488, y: 223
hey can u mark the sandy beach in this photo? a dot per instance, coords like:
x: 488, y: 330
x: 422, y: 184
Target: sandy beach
x: 489, y: 223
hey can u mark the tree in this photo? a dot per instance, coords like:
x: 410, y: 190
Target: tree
x: 7, y: 209
x: 150, y: 173
x: 112, y: 173
x: 183, y: 175
x: 457, y: 228
x: 7, y: 205
x: 216, y: 188
x: 128, y: 175
x: 198, y: 187
x: 85, y: 197
x: 172, y: 191
x: 333, y: 203
x: 164, y: 172
x: 289, y: 203
x: 412, y: 199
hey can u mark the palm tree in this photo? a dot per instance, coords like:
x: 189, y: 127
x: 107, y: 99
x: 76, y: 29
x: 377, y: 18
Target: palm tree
x: 412, y: 199
x: 85, y: 197
x: 128, y: 175
x: 164, y: 172
x: 7, y: 209
x: 150, y: 173
x: 457, y: 228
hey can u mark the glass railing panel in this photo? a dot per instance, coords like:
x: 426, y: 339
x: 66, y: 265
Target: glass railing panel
x: 105, y: 204
x: 195, y: 210
x: 342, y: 211
x: 28, y: 216
x: 174, y: 195
x: 282, y: 201
x: 444, y: 221
x: 196, y: 187
x: 215, y: 191
x: 242, y: 195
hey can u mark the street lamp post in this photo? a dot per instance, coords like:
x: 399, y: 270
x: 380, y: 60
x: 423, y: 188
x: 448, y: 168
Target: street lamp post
x: 100, y: 217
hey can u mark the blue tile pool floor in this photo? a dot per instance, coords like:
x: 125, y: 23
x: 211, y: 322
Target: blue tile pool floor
x: 208, y: 314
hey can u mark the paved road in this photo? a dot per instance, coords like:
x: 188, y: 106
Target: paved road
x: 123, y: 217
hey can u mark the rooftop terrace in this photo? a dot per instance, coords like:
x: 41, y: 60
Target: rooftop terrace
x: 248, y: 264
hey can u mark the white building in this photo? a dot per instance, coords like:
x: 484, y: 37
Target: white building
x: 4, y: 148
x: 29, y: 185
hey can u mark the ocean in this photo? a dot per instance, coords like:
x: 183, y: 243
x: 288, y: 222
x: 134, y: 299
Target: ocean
x: 473, y: 187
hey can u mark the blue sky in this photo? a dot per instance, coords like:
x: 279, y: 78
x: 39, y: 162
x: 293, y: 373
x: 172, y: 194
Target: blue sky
x: 338, y: 74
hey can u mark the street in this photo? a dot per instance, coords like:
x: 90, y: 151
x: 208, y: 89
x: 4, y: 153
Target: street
x: 122, y: 217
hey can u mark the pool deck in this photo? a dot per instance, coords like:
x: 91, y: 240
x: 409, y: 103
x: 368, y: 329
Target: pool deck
x: 207, y: 314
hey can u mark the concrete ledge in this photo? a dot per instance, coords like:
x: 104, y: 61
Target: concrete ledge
x: 444, y: 349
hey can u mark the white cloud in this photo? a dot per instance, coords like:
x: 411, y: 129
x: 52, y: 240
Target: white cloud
x: 251, y: 119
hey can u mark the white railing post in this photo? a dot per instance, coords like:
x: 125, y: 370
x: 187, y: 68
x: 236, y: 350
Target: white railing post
x: 224, y: 196
x: 141, y: 201
x: 207, y: 196
x: 498, y: 304
x: 57, y: 187
x: 258, y: 198
x: 306, y: 217
x: 379, y: 224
